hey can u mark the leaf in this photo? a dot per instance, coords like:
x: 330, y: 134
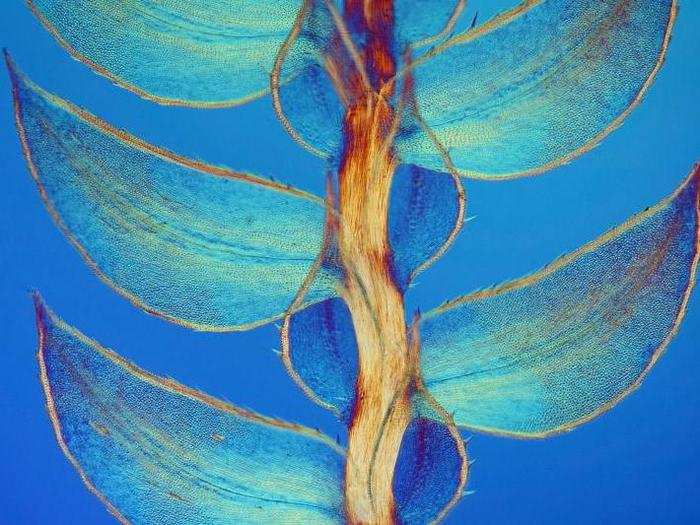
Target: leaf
x: 207, y: 53
x: 319, y: 350
x: 432, y: 466
x: 426, y: 212
x: 545, y: 353
x: 199, y: 245
x: 154, y: 451
x: 420, y: 22
x: 536, y: 86
x: 311, y: 104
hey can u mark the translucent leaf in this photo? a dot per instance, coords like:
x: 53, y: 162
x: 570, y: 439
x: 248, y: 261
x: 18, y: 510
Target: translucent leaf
x: 426, y: 211
x: 155, y: 451
x: 320, y: 352
x: 421, y: 21
x: 183, y: 52
x: 547, y: 352
x: 311, y: 104
x: 431, y: 469
x: 199, y: 245
x: 536, y: 86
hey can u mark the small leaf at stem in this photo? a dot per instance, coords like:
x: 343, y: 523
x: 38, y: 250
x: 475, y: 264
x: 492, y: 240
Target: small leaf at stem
x: 432, y: 466
x: 426, y: 212
x: 320, y: 352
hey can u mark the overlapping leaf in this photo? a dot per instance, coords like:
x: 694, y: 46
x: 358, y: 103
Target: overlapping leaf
x: 550, y: 351
x: 184, y: 52
x: 537, y: 85
x: 155, y: 451
x: 200, y: 245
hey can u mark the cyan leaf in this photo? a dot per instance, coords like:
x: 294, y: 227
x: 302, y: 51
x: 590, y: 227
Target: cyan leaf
x: 536, y: 86
x: 181, y: 52
x: 154, y: 451
x: 419, y: 22
x: 550, y: 351
x: 199, y: 245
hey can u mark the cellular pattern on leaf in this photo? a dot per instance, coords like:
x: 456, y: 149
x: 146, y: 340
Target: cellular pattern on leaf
x: 403, y: 98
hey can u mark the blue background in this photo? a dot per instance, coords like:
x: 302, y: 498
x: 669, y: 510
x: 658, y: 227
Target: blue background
x: 639, y: 463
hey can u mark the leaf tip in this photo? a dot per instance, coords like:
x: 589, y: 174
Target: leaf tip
x: 41, y: 311
x: 12, y: 69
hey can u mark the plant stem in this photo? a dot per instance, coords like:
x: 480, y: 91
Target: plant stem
x: 382, y: 407
x: 382, y: 410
